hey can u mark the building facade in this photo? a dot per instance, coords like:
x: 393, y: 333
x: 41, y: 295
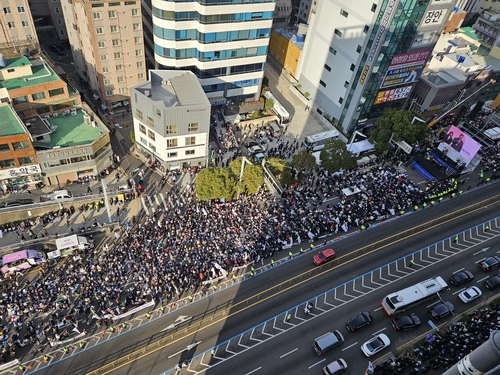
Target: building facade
x: 361, y: 58
x: 18, y: 161
x: 285, y: 47
x: 33, y: 87
x: 18, y: 29
x: 107, y: 45
x: 172, y: 119
x: 224, y: 43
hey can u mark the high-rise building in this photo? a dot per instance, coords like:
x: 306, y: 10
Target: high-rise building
x: 362, y: 57
x: 223, y: 42
x: 18, y: 28
x: 107, y: 45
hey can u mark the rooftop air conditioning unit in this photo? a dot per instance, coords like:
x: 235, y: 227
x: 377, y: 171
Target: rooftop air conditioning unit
x: 86, y: 119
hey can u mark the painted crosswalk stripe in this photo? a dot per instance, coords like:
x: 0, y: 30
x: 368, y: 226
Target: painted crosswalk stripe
x: 144, y: 205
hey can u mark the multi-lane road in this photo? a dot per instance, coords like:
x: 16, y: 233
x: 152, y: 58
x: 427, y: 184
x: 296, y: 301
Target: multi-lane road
x: 368, y: 267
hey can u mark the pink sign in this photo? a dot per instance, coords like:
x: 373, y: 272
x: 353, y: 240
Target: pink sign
x: 409, y: 58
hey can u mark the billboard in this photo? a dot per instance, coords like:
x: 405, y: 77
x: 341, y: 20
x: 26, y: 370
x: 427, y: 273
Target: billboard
x: 458, y: 146
x: 410, y: 58
x: 405, y: 68
x: 392, y: 95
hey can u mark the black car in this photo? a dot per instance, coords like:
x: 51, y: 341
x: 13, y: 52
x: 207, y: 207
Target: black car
x: 61, y: 51
x: 461, y: 277
x: 356, y: 322
x: 405, y: 322
x: 16, y: 203
x: 441, y: 310
x: 490, y: 263
x: 493, y: 282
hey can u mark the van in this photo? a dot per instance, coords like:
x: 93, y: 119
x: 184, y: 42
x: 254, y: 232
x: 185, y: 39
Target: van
x: 60, y: 194
x: 328, y: 341
x: 276, y: 130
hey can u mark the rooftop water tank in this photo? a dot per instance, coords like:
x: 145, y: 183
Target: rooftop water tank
x: 3, y: 62
x: 300, y: 38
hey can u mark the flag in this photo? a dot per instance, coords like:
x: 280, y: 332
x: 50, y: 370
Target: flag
x: 370, y: 366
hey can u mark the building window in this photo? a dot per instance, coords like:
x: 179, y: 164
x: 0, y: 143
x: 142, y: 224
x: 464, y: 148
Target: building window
x: 119, y: 67
x: 171, y: 129
x: 118, y: 55
x: 20, y: 99
x: 122, y: 90
x: 7, y: 163
x: 38, y: 96
x: 138, y: 113
x: 328, y: 68
x: 338, y: 32
x: 104, y: 57
x: 56, y: 10
x: 105, y: 69
x: 96, y: 15
x: 158, y: 112
x: 109, y: 92
x: 193, y: 127
x: 56, y: 92
x: 137, y: 26
x: 59, y: 21
x: 171, y: 143
x: 189, y: 152
x: 151, y: 121
x: 140, y: 64
x: 152, y: 147
x: 140, y: 76
x: 107, y: 81
x: 26, y: 160
x: 190, y: 141
x: 353, y: 67
x: 111, y: 14
x: 358, y: 50
x: 20, y: 145
x: 115, y: 42
x: 98, y: 30
x: 11, y: 25
x: 121, y: 79
x: 135, y: 12
x: 341, y: 99
x: 333, y: 51
x: 101, y: 44
x: 142, y: 128
x: 6, y: 10
x: 4, y: 147
x: 322, y: 83
x: 138, y: 52
x: 25, y: 23
x: 344, y: 13
x: 20, y: 9
x: 114, y: 28
x: 374, y: 7
x: 143, y: 140
x: 137, y: 39
x: 346, y: 84
x: 366, y: 28
x: 172, y: 155
x: 61, y: 32
x: 151, y: 134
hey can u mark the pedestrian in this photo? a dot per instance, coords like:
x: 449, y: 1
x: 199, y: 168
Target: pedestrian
x: 288, y: 317
x: 290, y: 255
x: 412, y: 262
x: 29, y: 192
x: 272, y: 263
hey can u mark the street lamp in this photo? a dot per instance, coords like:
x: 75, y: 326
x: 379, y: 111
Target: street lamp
x: 243, y: 161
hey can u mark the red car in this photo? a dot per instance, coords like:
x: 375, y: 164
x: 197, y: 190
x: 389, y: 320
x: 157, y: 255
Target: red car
x: 324, y: 256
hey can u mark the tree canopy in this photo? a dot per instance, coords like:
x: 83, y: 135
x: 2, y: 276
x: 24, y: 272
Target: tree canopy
x: 304, y: 161
x: 335, y: 156
x: 397, y: 122
x: 252, y: 178
x: 214, y: 183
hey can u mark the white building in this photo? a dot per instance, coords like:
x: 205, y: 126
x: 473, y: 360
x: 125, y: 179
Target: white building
x: 223, y: 42
x: 172, y: 119
x: 361, y: 57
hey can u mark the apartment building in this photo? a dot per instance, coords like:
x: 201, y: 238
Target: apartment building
x: 360, y: 58
x: 172, y: 119
x: 285, y: 47
x: 18, y: 28
x: 107, y: 45
x: 224, y: 43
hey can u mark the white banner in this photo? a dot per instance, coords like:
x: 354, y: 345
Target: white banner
x: 130, y: 312
x: 55, y: 343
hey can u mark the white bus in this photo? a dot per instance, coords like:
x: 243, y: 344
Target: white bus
x: 281, y: 113
x: 316, y: 142
x: 413, y: 295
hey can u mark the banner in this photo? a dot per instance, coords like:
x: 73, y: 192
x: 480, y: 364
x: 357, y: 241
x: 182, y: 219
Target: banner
x: 392, y: 95
x: 130, y: 312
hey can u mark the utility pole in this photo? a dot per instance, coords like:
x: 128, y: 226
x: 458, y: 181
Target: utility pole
x: 106, y: 203
x: 243, y: 161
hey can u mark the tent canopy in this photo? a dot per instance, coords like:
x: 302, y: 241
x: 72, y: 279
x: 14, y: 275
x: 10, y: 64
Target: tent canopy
x: 357, y: 148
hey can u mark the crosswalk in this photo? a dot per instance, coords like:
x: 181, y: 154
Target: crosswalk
x: 150, y: 202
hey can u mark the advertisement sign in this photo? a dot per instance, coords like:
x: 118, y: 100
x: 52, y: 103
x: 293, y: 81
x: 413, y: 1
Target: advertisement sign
x: 458, y: 146
x: 363, y: 75
x: 382, y: 28
x: 434, y: 17
x: 410, y: 58
x: 18, y: 172
x: 392, y: 95
x: 399, y: 76
x: 424, y: 38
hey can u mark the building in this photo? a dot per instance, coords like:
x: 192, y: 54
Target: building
x: 47, y: 13
x: 455, y: 22
x: 285, y: 47
x: 353, y: 67
x: 33, y: 87
x: 107, y: 45
x: 306, y: 7
x: 473, y: 7
x: 172, y: 119
x: 282, y: 14
x: 224, y: 43
x: 18, y: 161
x: 18, y: 29
x: 70, y: 145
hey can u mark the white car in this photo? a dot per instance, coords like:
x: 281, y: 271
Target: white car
x: 375, y: 345
x: 470, y: 294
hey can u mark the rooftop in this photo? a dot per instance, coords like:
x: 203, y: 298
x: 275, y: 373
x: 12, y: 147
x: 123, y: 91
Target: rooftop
x: 469, y: 31
x: 292, y: 37
x: 73, y: 131
x: 9, y: 122
x: 41, y: 73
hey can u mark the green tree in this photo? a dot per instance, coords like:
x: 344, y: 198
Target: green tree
x: 252, y: 178
x: 132, y: 136
x: 335, y: 156
x: 269, y: 103
x: 213, y: 183
x: 397, y: 122
x: 304, y: 161
x: 281, y: 169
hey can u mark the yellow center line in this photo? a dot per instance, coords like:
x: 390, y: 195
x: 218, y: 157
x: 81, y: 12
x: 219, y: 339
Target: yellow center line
x: 154, y: 347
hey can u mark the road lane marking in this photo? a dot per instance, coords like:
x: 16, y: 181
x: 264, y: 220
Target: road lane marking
x: 290, y: 352
x: 317, y: 363
x: 350, y: 346
x: 251, y: 372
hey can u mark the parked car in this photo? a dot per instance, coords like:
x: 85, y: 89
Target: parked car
x: 470, y: 294
x: 324, y: 256
x: 405, y: 322
x: 461, y: 277
x: 16, y: 203
x: 490, y: 263
x: 356, y: 322
x: 376, y: 344
x: 441, y: 310
x: 61, y: 51
x: 336, y: 367
x: 493, y: 282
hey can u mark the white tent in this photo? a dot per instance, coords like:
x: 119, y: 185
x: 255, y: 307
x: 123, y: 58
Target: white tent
x: 357, y: 148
